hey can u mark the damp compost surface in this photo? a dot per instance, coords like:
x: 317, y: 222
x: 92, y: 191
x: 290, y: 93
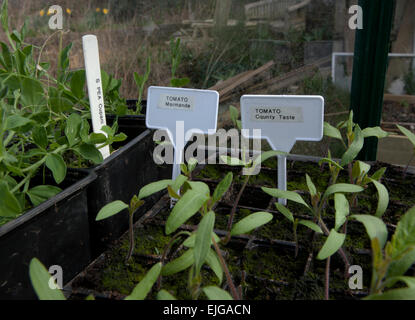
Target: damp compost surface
x: 262, y: 263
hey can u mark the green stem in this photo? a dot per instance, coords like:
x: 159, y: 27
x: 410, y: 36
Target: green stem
x: 130, y: 235
x: 232, y: 214
x: 340, y: 251
x: 295, y: 237
x: 226, y: 270
x: 327, y: 279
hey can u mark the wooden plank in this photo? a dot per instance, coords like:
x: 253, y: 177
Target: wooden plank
x: 246, y: 77
x: 399, y: 98
x: 289, y: 78
x: 223, y: 84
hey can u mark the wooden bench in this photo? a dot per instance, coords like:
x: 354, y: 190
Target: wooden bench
x: 283, y: 14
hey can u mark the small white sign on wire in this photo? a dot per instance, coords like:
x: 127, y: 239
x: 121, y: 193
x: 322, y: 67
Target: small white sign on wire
x: 182, y: 113
x: 283, y: 120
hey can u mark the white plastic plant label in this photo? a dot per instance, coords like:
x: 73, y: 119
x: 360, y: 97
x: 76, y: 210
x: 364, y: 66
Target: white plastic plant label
x: 95, y: 91
x: 182, y: 113
x: 283, y: 120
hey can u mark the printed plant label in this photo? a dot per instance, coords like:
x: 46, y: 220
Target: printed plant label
x: 175, y: 101
x: 283, y: 120
x: 277, y: 114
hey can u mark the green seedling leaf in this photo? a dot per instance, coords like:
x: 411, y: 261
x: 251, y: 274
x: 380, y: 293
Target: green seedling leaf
x: 311, y: 225
x: 215, y: 293
x: 289, y: 195
x: 383, y: 198
x: 97, y: 138
x: 408, y: 134
x: 60, y: 104
x: 342, y: 209
x: 165, y: 295
x: 64, y: 59
x: 285, y: 211
x: 57, y: 165
x: 354, y: 148
x: 251, y: 222
x: 9, y: 205
x: 40, y: 278
x: 16, y: 121
x: 396, y: 294
x: 40, y: 136
x: 40, y: 194
x: 403, y: 245
x: 190, y: 241
x: 331, y: 162
x: 180, y: 180
x: 222, y: 188
x: 234, y: 113
x: 232, y: 161
x: 154, y: 187
x: 73, y: 125
x: 200, y: 187
x: 265, y: 156
x: 185, y: 208
x: 183, y: 167
x: 332, y: 132
x: 374, y: 226
x: 360, y: 169
x: 311, y: 186
x: 191, y: 164
x: 77, y: 83
x: 342, y: 188
x: 111, y: 209
x: 90, y: 152
x: 379, y: 174
x: 404, y: 236
x: 173, y: 194
x: 374, y: 132
x: 179, y: 82
x: 333, y: 243
x: 143, y: 288
x: 203, y: 239
x: 179, y: 264
x: 409, y: 281
x: 213, y: 261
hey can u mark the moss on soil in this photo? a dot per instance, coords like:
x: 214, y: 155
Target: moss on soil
x: 271, y: 273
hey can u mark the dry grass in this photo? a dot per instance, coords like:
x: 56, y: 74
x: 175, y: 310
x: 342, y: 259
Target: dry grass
x: 124, y: 46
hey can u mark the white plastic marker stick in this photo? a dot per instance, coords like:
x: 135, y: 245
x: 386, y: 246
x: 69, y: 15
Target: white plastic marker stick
x: 182, y: 113
x: 95, y: 92
x: 283, y: 120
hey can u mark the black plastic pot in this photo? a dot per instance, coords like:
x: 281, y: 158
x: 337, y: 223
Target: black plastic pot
x: 56, y: 232
x: 120, y: 177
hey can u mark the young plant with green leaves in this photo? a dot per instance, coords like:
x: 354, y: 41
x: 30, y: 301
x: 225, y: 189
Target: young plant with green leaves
x: 140, y: 81
x: 353, y: 141
x: 202, y: 246
x: 250, y: 167
x: 136, y: 202
x: 234, y: 114
x: 43, y: 124
x: 176, y: 57
x: 47, y: 289
x: 317, y: 209
x: 392, y: 259
x: 357, y: 170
